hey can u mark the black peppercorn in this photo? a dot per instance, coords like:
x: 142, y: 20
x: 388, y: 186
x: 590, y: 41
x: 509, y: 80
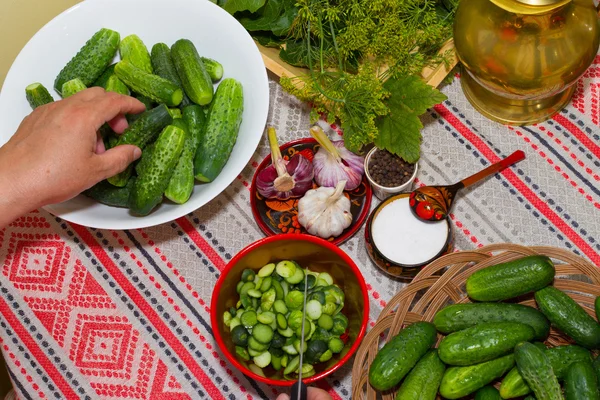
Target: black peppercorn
x: 389, y: 170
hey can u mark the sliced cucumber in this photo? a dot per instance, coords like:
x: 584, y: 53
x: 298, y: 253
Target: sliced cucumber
x: 267, y: 270
x: 314, y: 309
x: 325, y: 322
x: 281, y: 321
x: 266, y: 317
x: 249, y: 319
x: 292, y: 366
x: 263, y: 333
x: 280, y: 307
x: 297, y: 277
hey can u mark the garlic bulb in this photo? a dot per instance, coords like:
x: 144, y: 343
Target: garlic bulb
x: 325, y: 212
x: 284, y: 179
x: 333, y: 162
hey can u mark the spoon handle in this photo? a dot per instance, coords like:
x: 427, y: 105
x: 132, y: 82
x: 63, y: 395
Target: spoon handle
x: 492, y: 169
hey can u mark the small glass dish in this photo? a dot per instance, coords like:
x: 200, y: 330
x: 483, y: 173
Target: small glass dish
x: 405, y: 271
x: 383, y: 192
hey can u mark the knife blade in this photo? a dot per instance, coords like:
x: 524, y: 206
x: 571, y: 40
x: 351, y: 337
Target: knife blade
x: 299, y: 389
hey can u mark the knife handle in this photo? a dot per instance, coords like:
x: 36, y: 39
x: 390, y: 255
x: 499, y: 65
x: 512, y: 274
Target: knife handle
x: 303, y: 391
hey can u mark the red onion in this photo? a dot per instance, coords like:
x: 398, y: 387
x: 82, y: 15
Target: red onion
x: 284, y: 179
x: 334, y: 163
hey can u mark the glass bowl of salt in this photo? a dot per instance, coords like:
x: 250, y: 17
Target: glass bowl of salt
x: 399, y: 243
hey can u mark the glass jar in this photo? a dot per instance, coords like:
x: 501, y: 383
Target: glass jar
x: 522, y: 58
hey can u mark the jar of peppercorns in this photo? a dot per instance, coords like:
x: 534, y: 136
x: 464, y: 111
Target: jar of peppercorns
x: 389, y: 174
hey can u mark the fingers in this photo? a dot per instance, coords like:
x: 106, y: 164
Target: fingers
x: 313, y: 393
x: 116, y: 160
x: 318, y: 394
x: 118, y: 124
x: 100, y: 148
x: 112, y: 105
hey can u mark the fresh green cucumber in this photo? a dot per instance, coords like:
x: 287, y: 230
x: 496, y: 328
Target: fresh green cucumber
x: 152, y: 86
x: 462, y: 381
x: 37, y: 95
x: 114, y: 84
x: 224, y: 119
x: 487, y: 393
x: 111, y: 195
x: 164, y: 67
x: 537, y: 372
x: 560, y: 357
x: 400, y: 354
x: 483, y: 342
x: 145, y: 100
x: 149, y: 187
x: 423, y: 381
x: 71, y: 87
x: 133, y: 49
x: 569, y: 317
x: 214, y: 68
x: 195, y: 118
x: 457, y: 317
x: 581, y: 382
x: 511, y: 279
x: 91, y: 61
x: 181, y: 184
x: 141, y: 132
x: 194, y: 78
x: 175, y: 112
x: 597, y: 368
x: 103, y: 79
x: 144, y: 161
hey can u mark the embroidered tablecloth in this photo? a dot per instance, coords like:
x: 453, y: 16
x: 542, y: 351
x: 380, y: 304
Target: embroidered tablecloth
x: 99, y: 314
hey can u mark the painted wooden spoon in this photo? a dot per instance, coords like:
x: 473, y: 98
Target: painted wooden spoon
x: 433, y: 203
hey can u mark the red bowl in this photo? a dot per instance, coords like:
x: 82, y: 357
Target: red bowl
x: 319, y: 255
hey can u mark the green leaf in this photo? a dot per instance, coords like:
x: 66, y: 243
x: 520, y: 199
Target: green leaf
x: 233, y: 6
x: 267, y: 39
x: 413, y: 92
x: 400, y: 132
x: 276, y: 16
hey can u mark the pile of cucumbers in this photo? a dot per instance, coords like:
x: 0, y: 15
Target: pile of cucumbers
x: 491, y: 340
x: 266, y: 324
x: 188, y: 130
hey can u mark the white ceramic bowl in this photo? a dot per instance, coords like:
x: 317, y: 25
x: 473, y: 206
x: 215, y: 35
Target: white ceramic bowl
x: 215, y: 33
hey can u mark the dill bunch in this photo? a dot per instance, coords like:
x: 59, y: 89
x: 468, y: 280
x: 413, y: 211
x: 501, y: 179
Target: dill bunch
x: 352, y: 48
x: 364, y: 59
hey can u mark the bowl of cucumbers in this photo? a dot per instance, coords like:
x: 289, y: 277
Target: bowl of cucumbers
x: 200, y: 76
x: 258, y: 307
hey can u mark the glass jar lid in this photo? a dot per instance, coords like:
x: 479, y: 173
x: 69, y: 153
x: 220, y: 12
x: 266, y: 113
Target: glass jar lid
x: 530, y: 7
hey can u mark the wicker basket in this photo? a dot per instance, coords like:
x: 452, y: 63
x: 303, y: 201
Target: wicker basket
x: 443, y: 282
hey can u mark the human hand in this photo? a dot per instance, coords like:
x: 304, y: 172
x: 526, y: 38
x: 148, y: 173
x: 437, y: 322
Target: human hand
x: 57, y: 153
x: 313, y: 393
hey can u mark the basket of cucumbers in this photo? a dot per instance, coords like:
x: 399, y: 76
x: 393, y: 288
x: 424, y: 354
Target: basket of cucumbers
x: 502, y: 322
x: 278, y: 286
x: 203, y: 83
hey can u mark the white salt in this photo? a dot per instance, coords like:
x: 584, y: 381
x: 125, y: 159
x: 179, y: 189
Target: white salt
x: 405, y: 239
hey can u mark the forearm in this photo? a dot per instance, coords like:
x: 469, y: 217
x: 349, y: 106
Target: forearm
x: 13, y: 201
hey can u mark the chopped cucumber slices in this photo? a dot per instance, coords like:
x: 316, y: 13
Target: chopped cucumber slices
x: 266, y: 323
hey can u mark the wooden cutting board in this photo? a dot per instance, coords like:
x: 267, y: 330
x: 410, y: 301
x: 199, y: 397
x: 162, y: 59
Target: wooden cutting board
x: 433, y: 76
